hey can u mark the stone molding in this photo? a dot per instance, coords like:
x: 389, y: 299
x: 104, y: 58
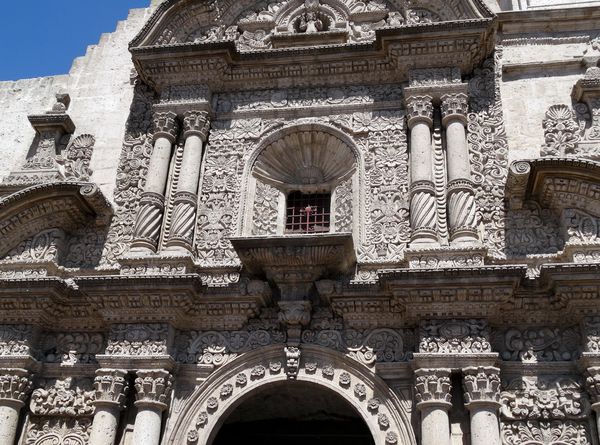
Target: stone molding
x: 482, y: 386
x: 153, y: 389
x: 433, y: 388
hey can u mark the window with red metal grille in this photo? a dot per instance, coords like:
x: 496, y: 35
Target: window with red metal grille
x: 308, y: 213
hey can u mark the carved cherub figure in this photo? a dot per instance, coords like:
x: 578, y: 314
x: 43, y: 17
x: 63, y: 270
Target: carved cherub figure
x: 310, y: 23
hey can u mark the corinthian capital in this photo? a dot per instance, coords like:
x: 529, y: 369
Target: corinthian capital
x: 15, y: 385
x: 455, y: 106
x: 111, y: 387
x: 166, y: 126
x: 153, y: 388
x: 196, y: 123
x: 481, y: 385
x: 419, y: 109
x: 433, y: 387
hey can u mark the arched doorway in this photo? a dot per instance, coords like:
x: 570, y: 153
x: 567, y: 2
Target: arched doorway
x: 294, y: 413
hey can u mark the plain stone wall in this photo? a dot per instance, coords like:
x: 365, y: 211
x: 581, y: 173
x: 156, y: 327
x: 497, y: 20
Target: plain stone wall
x: 101, y: 93
x: 529, y: 88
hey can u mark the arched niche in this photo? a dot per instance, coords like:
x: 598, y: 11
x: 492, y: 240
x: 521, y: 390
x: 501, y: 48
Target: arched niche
x: 228, y: 387
x: 306, y: 158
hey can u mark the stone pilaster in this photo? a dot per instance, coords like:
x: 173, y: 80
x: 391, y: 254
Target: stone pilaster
x: 462, y: 211
x: 15, y: 385
x: 152, y: 204
x: 195, y: 127
x: 422, y: 189
x: 153, y: 391
x: 482, y: 398
x: 432, y: 393
x: 111, y: 389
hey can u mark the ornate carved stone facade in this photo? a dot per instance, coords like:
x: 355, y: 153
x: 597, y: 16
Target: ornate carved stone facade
x: 379, y: 215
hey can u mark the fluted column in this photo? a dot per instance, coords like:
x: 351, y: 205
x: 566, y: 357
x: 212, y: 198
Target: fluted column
x: 152, y: 203
x: 422, y: 189
x: 15, y: 385
x: 434, y: 401
x: 111, y: 389
x: 593, y: 387
x: 482, y: 399
x: 195, y: 127
x: 462, y: 211
x: 153, y: 389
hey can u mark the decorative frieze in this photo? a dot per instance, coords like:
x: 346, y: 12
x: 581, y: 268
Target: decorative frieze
x: 17, y: 340
x: 454, y: 336
x: 538, y: 344
x: 139, y: 340
x: 72, y: 348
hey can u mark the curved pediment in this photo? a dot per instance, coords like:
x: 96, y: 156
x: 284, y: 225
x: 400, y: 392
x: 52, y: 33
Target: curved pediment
x: 265, y: 24
x: 64, y: 206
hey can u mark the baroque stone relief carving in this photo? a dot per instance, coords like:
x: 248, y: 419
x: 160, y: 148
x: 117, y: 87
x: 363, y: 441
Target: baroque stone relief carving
x: 139, y: 340
x: 454, y: 336
x: 17, y: 340
x: 538, y: 344
x: 70, y: 349
x: 545, y: 411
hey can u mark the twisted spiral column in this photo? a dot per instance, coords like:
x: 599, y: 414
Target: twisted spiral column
x: 462, y: 210
x: 422, y: 204
x: 195, y: 126
x: 151, y: 212
x: 15, y: 385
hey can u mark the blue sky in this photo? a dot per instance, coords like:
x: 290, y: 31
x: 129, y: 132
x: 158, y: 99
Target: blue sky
x: 42, y: 37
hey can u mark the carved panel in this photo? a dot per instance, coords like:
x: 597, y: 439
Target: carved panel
x: 266, y: 209
x: 539, y: 344
x: 139, y: 340
x: 454, y: 336
x: 63, y: 398
x: 72, y: 348
x: 16, y: 340
x: 58, y: 431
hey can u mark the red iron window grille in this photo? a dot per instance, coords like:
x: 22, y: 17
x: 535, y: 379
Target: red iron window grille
x: 308, y: 213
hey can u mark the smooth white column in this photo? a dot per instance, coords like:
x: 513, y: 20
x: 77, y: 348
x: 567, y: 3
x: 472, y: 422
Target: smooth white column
x: 152, y: 203
x: 433, y: 402
x: 153, y: 390
x: 422, y: 204
x: 111, y: 388
x: 195, y: 127
x: 15, y: 385
x: 482, y: 399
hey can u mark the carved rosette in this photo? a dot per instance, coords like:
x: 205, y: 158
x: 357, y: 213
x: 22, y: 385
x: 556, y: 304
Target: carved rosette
x: 184, y: 219
x: 15, y: 386
x: 153, y: 388
x: 482, y: 386
x: 423, y: 212
x: 111, y: 387
x: 149, y: 221
x: 419, y: 109
x: 196, y: 123
x: 165, y: 126
x: 454, y: 107
x: 463, y: 210
x: 432, y: 388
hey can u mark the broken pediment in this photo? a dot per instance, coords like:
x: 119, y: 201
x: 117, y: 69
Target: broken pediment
x: 266, y: 21
x: 225, y: 43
